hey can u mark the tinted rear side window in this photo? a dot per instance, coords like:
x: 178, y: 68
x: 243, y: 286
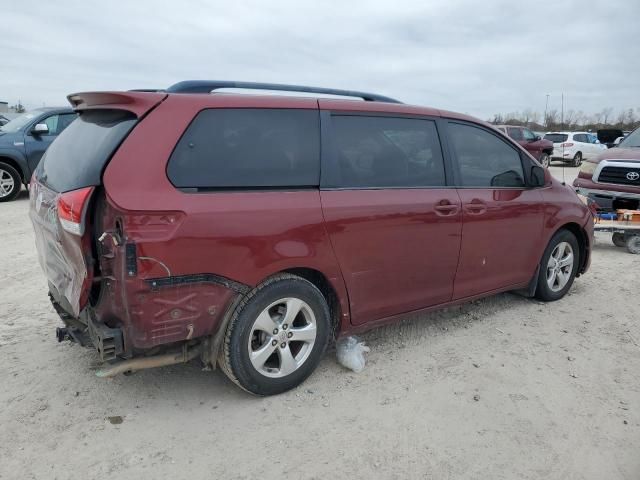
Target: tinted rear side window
x: 484, y: 160
x: 245, y: 148
x: 77, y: 157
x: 376, y: 152
x: 556, y: 137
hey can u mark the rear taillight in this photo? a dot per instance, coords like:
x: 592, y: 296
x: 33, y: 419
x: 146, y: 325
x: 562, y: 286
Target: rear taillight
x: 567, y: 144
x: 72, y: 207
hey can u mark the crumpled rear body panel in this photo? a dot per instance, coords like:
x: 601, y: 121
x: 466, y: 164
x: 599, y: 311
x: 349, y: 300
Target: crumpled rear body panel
x: 60, y: 253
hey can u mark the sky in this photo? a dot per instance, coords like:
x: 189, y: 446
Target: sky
x: 475, y: 57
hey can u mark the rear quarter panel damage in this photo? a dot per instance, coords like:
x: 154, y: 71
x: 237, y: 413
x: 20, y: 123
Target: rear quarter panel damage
x: 243, y: 237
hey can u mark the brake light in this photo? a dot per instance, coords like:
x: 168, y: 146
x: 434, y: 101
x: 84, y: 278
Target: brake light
x: 567, y: 144
x: 72, y: 207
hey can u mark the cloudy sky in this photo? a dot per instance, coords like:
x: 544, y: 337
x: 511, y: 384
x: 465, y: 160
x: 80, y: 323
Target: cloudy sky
x: 477, y: 57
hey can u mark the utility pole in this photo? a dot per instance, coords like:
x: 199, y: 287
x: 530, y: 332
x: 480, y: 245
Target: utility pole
x: 546, y: 106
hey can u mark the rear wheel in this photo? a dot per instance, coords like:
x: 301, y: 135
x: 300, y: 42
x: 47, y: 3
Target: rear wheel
x: 619, y: 240
x: 277, y: 336
x: 558, y: 266
x: 545, y: 160
x: 10, y: 182
x: 633, y: 244
x: 577, y: 159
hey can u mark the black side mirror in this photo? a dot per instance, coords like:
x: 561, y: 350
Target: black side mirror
x: 538, y: 137
x: 537, y: 176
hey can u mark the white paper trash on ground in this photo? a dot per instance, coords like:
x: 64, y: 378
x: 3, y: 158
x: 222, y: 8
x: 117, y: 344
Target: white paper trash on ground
x: 350, y: 352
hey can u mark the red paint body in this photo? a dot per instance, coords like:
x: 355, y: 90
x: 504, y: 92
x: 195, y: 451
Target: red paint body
x: 383, y: 252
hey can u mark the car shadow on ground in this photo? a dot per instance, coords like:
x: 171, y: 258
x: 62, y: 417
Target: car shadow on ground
x: 189, y: 381
x: 22, y: 196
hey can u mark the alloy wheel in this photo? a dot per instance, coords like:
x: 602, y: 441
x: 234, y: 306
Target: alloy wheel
x: 282, y: 337
x: 560, y: 266
x: 7, y: 183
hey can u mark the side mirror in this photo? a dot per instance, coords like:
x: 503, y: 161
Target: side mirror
x: 537, y: 176
x: 40, y: 129
x: 617, y: 141
x: 598, y: 142
x: 538, y: 137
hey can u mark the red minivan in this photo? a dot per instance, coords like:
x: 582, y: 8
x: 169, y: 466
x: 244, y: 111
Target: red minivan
x: 250, y: 230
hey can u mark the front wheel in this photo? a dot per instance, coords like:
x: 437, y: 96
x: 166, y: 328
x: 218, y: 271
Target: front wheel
x: 558, y: 266
x: 545, y: 160
x: 276, y: 336
x: 10, y: 182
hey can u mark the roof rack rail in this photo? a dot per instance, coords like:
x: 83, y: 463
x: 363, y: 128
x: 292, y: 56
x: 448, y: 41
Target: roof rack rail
x: 207, y: 86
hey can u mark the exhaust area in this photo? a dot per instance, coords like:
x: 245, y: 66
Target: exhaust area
x: 143, y: 363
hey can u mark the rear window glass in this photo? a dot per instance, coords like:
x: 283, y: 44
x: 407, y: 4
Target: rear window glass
x: 556, y: 137
x: 248, y: 148
x: 516, y: 133
x: 79, y: 154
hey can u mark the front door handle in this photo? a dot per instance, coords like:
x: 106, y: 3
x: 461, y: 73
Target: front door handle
x: 445, y: 208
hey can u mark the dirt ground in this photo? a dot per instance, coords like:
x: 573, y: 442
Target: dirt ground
x: 504, y: 388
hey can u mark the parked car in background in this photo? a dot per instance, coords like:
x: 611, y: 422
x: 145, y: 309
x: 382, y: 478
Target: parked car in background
x: 612, y: 179
x: 227, y: 228
x: 23, y: 141
x: 541, y: 149
x: 608, y: 136
x: 573, y: 147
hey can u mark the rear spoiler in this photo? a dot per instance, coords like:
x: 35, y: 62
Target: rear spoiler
x: 137, y: 103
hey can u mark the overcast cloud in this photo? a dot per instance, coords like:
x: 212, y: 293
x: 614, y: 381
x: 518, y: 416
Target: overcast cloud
x: 477, y: 57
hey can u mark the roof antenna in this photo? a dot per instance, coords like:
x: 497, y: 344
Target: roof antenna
x: 562, y: 126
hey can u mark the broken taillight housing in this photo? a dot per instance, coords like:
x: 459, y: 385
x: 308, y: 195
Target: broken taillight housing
x: 72, y: 208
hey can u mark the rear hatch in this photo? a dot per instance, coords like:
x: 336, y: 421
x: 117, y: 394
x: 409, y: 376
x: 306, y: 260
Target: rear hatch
x: 608, y: 136
x: 63, y: 190
x: 557, y: 139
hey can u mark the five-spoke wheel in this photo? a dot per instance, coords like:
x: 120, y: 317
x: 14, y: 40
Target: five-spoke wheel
x: 276, y: 335
x: 558, y: 266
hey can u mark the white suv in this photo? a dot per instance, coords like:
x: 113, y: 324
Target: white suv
x: 573, y: 147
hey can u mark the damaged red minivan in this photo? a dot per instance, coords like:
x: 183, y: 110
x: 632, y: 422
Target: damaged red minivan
x: 250, y: 230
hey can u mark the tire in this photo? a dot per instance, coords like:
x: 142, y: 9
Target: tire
x: 553, y: 287
x: 633, y: 244
x: 545, y: 161
x: 10, y: 182
x: 577, y: 160
x: 618, y: 240
x: 258, y: 336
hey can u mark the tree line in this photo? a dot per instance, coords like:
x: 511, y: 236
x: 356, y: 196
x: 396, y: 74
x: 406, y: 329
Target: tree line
x: 571, y: 119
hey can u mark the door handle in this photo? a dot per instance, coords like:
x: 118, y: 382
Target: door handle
x: 476, y: 207
x: 445, y: 209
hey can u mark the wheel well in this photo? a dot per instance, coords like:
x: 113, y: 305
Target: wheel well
x: 321, y: 282
x: 14, y: 164
x: 583, y: 242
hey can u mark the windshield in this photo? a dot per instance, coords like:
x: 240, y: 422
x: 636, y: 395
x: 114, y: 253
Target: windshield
x: 632, y: 140
x: 556, y: 137
x: 18, y: 122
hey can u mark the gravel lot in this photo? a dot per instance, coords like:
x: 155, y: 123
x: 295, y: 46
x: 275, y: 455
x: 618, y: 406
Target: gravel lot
x: 502, y: 388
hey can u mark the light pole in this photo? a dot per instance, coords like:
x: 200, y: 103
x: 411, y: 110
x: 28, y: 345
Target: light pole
x: 546, y: 105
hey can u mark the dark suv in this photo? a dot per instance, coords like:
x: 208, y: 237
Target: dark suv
x: 23, y: 141
x: 250, y: 230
